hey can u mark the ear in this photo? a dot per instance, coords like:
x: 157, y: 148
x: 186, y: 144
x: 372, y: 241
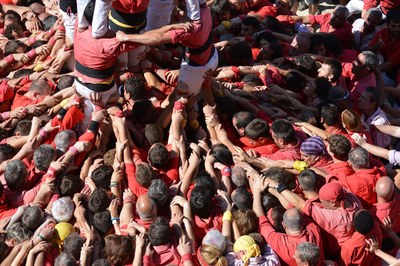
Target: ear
x: 330, y: 77
x: 262, y: 140
x: 35, y: 95
x: 17, y: 134
x: 281, y: 141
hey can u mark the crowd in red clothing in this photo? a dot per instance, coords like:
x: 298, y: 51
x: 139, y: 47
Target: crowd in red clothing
x: 220, y: 132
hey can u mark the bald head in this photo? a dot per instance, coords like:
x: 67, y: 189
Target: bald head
x: 293, y: 219
x: 385, y: 188
x: 146, y: 208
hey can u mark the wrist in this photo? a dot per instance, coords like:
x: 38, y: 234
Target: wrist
x: 74, y: 150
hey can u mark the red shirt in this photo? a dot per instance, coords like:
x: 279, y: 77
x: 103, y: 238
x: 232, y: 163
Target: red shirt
x: 21, y: 100
x: 339, y: 170
x: 130, y: 6
x: 134, y: 186
x: 353, y: 250
x: 391, y: 50
x: 6, y: 95
x: 269, y: 148
x: 171, y: 173
x: 6, y: 211
x: 344, y: 33
x: 385, y: 5
x: 348, y: 56
x: 202, y: 226
x: 289, y: 153
x: 285, y: 245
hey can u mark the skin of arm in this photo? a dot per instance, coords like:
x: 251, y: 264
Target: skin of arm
x: 389, y: 130
x: 376, y: 150
x: 316, y: 130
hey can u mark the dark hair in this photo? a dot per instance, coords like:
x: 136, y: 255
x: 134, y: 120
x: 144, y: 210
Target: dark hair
x: 246, y: 221
x: 48, y: 24
x: 43, y: 156
x: 295, y: 81
x: 222, y: 154
x: 24, y: 127
x: 393, y: 15
x: 159, y: 232
x: 19, y: 232
x: 201, y: 201
x: 101, y: 176
x: 284, y: 130
x: 305, y: 64
x: 65, y: 81
x: 239, y: 177
x: 316, y: 40
x: 269, y: 201
x: 14, y: 15
x: 153, y: 133
x: 340, y: 146
x: 12, y: 46
x: 72, y: 245
x: 205, y: 180
x: 243, y: 118
x: 7, y: 150
x: 159, y: 192
x: 65, y: 259
x: 99, y: 200
x: 330, y: 114
x: 220, y: 7
x: 144, y: 174
x: 15, y: 175
x: 118, y: 250
x: 252, y: 79
x: 277, y: 218
x: 14, y: 27
x: 101, y: 262
x: 332, y: 44
x: 242, y: 198
x: 23, y: 72
x: 32, y: 218
x: 69, y: 185
x: 363, y: 222
x: 102, y: 221
x: 135, y: 87
x: 272, y: 23
x: 158, y: 156
x: 375, y: 94
x: 322, y: 87
x: 251, y: 21
x: 256, y: 129
x: 240, y: 52
x: 225, y: 106
x: 336, y: 67
x: 309, y: 180
x: 281, y: 176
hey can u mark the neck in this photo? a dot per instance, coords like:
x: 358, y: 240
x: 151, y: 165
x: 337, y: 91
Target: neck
x: 369, y: 112
x: 310, y: 194
x: 384, y: 199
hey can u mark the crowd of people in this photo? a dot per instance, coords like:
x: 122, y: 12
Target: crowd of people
x: 219, y: 132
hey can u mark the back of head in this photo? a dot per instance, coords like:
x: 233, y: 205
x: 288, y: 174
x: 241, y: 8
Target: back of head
x: 69, y: 185
x: 99, y: 200
x: 159, y: 232
x: 246, y: 221
x: 359, y: 158
x: 18, y: 232
x: 284, y: 130
x: 64, y: 139
x: 239, y: 177
x: 73, y: 244
x: 201, y: 202
x: 375, y: 95
x: 309, y: 181
x: 23, y: 72
x: 49, y: 22
x: 65, y: 259
x: 102, y: 222
x: 216, y: 239
x: 243, y: 118
x: 251, y: 21
x: 385, y: 188
x: 153, y: 133
x: 340, y: 146
x: 351, y: 120
x: 6, y: 152
x: 118, y: 250
x: 204, y: 179
x: 62, y: 209
x: 210, y: 255
x: 101, y: 176
x: 363, y: 222
x: 293, y: 219
x: 371, y: 60
x: 322, y: 87
x: 65, y: 81
x: 336, y: 67
x: 240, y: 53
x: 222, y: 154
x: 144, y: 174
x: 281, y: 176
x: 146, y: 208
x: 33, y: 217
x: 12, y: 46
x: 256, y: 129
x: 295, y: 81
x: 393, y: 16
x: 43, y: 156
x: 41, y: 87
x: 135, y: 87
x: 330, y: 114
x: 15, y: 174
x: 159, y: 192
x: 242, y: 198
x: 269, y: 202
x: 158, y: 156
x: 308, y: 253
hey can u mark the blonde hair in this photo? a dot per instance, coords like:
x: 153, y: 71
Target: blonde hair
x: 212, y: 256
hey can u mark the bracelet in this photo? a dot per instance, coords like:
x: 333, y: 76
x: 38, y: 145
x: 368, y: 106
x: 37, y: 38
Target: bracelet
x: 300, y: 166
x: 31, y: 41
x: 129, y: 200
x: 38, y: 67
x: 186, y: 257
x: 113, y: 184
x: 73, y: 150
x: 114, y: 220
x: 9, y: 59
x: 279, y: 188
x: 227, y: 24
x: 226, y: 171
x: 43, y: 133
x: 194, y: 124
x: 62, y: 112
x: 51, y: 171
x: 235, y: 70
x: 42, y: 237
x: 32, y: 53
x: 52, y: 41
x: 227, y: 216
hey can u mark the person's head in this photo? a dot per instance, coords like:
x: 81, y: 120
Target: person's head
x: 369, y: 100
x: 144, y: 111
x: 43, y: 156
x: 118, y: 250
x: 250, y: 81
x: 146, y: 208
x: 312, y: 150
x: 158, y: 156
x: 65, y: 259
x: 283, y: 133
x: 293, y: 221
x: 269, y: 50
x: 13, y: 31
x: 49, y: 22
x: 17, y: 233
x: 69, y: 185
x: 359, y: 158
x: 101, y: 262
x: 269, y: 202
x: 101, y: 176
x: 393, y: 22
x: 144, y: 174
x: 330, y: 114
x: 295, y: 81
x: 364, y: 64
x: 300, y: 44
x: 15, y: 175
x: 222, y: 154
x: 246, y: 221
x: 307, y: 254
x: 65, y: 139
x: 332, y: 195
x: 153, y: 133
x: 14, y: 46
x: 250, y: 25
x: 384, y: 189
x: 272, y: 23
x: 240, y: 54
x: 64, y: 82
x: 99, y: 200
x: 211, y: 255
x: 33, y: 217
x: 305, y: 65
x: 109, y: 157
x: 201, y: 201
x: 317, y: 45
x: 159, y: 192
x: 363, y: 222
x: 11, y: 17
x: 134, y: 89
x: 204, y: 179
x: 73, y: 244
x: 216, y: 239
x: 23, y: 128
x: 351, y: 121
x: 102, y: 222
x: 284, y: 7
x: 331, y: 69
x: 339, y: 147
x: 339, y: 16
x: 40, y: 88
x: 239, y: 177
x: 281, y: 176
x: 241, y: 119
x: 339, y: 97
x: 221, y: 10
x: 159, y: 232
x: 242, y: 198
x: 62, y: 209
x: 6, y: 152
x: 258, y: 132
x: 245, y: 248
x: 309, y: 181
x: 318, y: 87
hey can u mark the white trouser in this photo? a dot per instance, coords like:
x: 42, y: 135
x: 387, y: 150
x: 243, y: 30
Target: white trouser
x: 69, y: 24
x: 355, y: 6
x: 193, y: 9
x: 100, y: 16
x: 159, y: 14
x: 131, y: 58
x: 193, y: 75
x: 89, y: 106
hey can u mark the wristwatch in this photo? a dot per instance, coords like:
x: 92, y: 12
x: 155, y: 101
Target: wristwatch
x: 279, y: 188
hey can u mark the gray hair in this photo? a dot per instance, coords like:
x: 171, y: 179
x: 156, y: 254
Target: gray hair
x: 15, y: 174
x: 63, y: 209
x: 309, y: 252
x: 342, y: 9
x: 43, y: 156
x: 371, y: 60
x: 239, y: 177
x: 159, y: 192
x: 64, y: 139
x: 19, y: 232
x: 293, y: 219
x: 65, y: 259
x: 359, y: 158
